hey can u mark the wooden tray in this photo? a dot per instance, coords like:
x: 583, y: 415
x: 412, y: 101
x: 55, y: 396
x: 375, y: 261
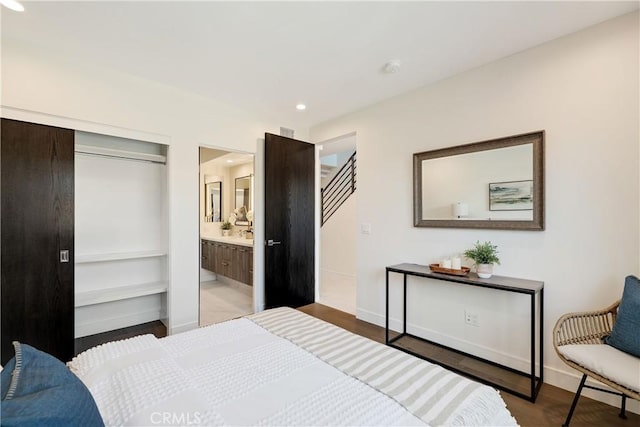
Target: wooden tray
x: 437, y: 269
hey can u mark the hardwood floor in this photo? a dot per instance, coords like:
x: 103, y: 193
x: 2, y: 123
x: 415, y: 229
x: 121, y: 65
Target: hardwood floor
x: 551, y: 407
x: 156, y: 328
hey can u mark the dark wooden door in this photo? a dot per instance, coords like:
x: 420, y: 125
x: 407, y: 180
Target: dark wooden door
x: 289, y: 222
x: 37, y: 187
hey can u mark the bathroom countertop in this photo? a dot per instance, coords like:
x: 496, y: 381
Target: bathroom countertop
x: 234, y: 240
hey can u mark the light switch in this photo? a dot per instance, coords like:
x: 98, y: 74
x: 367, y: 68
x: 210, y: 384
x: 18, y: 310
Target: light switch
x: 365, y: 228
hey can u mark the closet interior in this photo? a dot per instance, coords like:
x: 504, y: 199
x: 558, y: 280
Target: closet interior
x: 120, y: 233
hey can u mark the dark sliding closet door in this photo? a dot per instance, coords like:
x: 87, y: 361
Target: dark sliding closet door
x: 37, y: 189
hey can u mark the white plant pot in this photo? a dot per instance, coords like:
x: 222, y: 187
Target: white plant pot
x: 484, y: 271
x: 226, y: 233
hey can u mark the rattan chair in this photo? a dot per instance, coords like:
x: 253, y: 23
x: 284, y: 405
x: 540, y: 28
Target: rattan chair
x: 589, y: 328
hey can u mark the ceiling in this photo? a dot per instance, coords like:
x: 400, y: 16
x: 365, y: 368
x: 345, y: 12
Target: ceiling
x: 265, y: 57
x: 224, y: 158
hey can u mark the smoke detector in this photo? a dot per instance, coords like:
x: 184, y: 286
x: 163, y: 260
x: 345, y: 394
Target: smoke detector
x: 391, y: 67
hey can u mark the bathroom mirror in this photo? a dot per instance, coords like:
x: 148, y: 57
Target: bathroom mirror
x: 243, y: 199
x: 497, y: 184
x: 213, y: 201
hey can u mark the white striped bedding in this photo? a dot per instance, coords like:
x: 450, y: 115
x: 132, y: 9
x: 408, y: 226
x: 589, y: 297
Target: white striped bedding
x: 279, y: 367
x: 432, y: 393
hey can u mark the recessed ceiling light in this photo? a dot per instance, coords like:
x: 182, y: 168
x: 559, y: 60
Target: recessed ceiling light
x: 301, y: 107
x: 229, y: 161
x: 13, y: 5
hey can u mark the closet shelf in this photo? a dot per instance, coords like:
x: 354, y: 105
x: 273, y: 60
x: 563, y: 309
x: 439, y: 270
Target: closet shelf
x: 117, y: 256
x: 123, y: 154
x: 99, y: 296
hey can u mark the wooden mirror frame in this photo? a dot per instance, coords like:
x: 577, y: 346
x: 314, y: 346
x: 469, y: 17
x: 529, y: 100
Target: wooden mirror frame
x: 536, y: 224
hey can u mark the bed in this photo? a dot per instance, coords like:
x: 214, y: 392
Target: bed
x: 278, y: 367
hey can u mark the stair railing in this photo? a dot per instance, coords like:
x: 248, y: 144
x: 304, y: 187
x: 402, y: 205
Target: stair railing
x: 338, y: 190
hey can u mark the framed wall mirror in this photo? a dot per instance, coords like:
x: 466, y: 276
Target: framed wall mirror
x: 243, y: 199
x: 213, y: 201
x: 496, y: 184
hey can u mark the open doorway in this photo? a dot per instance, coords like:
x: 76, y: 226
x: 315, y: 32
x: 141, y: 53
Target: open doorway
x: 338, y: 181
x: 226, y: 193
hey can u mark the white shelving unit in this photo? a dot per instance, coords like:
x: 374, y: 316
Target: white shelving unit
x: 117, y: 256
x: 122, y: 154
x: 117, y: 293
x: 120, y: 207
x: 100, y: 296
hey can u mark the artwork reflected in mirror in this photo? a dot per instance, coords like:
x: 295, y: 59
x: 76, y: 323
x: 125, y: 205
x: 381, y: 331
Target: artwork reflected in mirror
x: 490, y: 184
x: 213, y: 201
x: 511, y: 196
x: 243, y: 203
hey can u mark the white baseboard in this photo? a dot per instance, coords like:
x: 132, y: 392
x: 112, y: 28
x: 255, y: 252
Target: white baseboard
x: 110, y: 324
x: 183, y: 328
x: 567, y: 380
x: 449, y: 341
x: 339, y: 273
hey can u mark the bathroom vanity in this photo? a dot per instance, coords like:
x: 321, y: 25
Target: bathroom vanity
x: 231, y: 257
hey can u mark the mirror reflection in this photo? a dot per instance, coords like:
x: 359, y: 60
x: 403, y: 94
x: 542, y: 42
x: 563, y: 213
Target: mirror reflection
x: 213, y: 201
x: 491, y: 184
x: 488, y: 185
x: 243, y: 199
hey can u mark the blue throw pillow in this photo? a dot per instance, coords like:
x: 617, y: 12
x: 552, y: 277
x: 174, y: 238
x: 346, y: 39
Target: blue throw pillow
x: 625, y: 335
x: 39, y: 390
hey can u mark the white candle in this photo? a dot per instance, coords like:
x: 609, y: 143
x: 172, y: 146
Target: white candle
x: 456, y: 263
x: 446, y: 263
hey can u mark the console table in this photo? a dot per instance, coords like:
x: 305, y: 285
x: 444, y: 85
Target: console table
x: 501, y: 283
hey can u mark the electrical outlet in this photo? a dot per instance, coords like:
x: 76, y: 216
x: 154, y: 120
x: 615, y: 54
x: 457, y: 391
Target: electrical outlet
x: 471, y: 318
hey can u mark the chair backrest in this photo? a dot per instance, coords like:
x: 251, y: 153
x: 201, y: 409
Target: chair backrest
x: 585, y: 327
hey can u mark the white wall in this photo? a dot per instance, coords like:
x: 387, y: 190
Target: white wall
x: 338, y: 240
x: 46, y: 86
x: 583, y: 90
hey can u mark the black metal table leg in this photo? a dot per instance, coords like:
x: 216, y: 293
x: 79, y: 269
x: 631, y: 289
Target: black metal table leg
x: 541, y: 336
x: 386, y: 316
x: 404, y: 306
x: 533, y: 348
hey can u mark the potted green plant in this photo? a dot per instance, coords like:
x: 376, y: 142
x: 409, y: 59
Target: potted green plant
x: 226, y: 228
x: 484, y: 255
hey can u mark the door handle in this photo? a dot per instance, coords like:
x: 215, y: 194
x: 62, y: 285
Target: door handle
x: 64, y: 255
x: 270, y: 242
